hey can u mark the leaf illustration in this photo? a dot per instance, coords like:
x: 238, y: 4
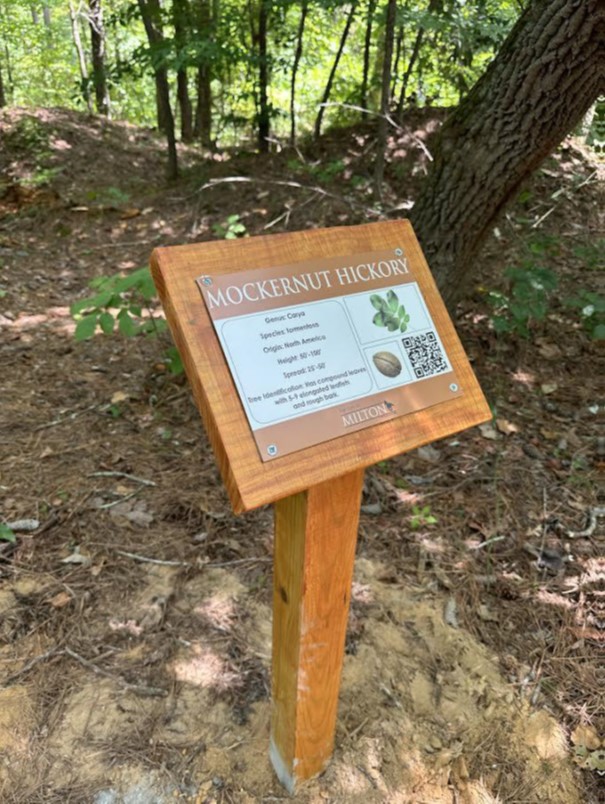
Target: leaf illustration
x: 403, y: 326
x: 393, y: 301
x: 378, y: 302
x: 391, y: 325
x: 378, y: 320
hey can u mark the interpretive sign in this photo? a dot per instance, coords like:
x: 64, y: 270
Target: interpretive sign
x: 323, y: 348
x: 327, y: 350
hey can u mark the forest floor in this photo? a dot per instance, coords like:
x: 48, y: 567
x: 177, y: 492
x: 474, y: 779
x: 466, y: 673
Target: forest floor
x: 135, y: 619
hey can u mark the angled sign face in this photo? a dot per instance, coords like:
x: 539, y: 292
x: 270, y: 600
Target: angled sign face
x: 325, y: 347
x: 313, y: 354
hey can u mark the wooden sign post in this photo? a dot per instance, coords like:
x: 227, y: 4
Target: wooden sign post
x: 311, y: 356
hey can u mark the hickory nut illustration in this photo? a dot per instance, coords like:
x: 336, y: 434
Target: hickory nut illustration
x: 387, y: 363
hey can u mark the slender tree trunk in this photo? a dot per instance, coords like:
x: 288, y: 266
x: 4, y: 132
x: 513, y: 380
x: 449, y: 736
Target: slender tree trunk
x: 297, y: 57
x: 389, y: 36
x: 46, y: 15
x: 408, y: 73
x: 75, y: 31
x: 150, y: 13
x: 543, y: 80
x: 184, y: 101
x: 97, y: 44
x: 203, y: 109
x: 180, y: 18
x: 2, y: 93
x: 395, y: 70
x: 366, y: 54
x: 9, y: 72
x: 264, y: 117
x: 328, y: 89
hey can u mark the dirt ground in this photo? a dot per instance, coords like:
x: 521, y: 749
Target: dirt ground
x: 135, y: 617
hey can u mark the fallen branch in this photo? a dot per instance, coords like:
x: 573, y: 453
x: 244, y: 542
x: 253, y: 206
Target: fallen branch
x: 147, y: 560
x: 136, y: 479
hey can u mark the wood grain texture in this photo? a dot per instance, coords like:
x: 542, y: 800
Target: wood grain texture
x: 315, y: 539
x: 248, y: 480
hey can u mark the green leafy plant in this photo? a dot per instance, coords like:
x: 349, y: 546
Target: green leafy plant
x: 592, y: 312
x: 526, y: 301
x: 6, y: 534
x: 230, y: 229
x: 391, y: 314
x: 421, y: 517
x: 118, y: 303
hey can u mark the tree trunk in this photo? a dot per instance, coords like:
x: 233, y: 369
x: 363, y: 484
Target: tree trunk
x: 2, y: 93
x: 97, y: 43
x: 264, y: 117
x: 406, y: 76
x: 151, y: 15
x: 366, y: 54
x: 543, y: 80
x: 184, y: 101
x: 297, y: 57
x: 398, y: 51
x: 180, y: 18
x: 75, y: 31
x: 385, y: 97
x: 328, y: 89
x: 203, y: 110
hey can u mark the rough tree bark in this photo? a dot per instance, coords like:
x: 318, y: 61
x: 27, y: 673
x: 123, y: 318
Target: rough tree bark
x: 385, y: 97
x: 180, y: 18
x: 151, y: 15
x: 97, y: 44
x: 548, y: 72
x: 207, y: 22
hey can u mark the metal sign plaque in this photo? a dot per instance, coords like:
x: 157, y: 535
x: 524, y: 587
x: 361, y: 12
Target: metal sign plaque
x: 322, y: 348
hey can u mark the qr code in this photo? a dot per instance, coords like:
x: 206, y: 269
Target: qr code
x: 425, y: 355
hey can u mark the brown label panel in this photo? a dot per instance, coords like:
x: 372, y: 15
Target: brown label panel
x: 322, y: 348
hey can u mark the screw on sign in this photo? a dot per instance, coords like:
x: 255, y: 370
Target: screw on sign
x: 260, y: 383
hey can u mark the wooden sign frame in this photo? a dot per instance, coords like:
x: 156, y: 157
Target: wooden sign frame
x: 316, y: 490
x: 250, y: 482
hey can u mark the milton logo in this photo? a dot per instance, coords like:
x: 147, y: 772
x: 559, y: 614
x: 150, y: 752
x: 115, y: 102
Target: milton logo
x: 368, y: 414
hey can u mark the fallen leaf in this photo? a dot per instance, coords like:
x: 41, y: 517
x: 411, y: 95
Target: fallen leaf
x: 486, y: 614
x: 407, y: 497
x: 429, y: 454
x: 60, y: 599
x: 119, y: 396
x: 550, y: 351
x: 450, y: 614
x: 77, y: 558
x: 548, y: 388
x: 506, y: 427
x: 586, y: 736
x: 130, y: 213
x: 372, y: 508
x: 488, y: 431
